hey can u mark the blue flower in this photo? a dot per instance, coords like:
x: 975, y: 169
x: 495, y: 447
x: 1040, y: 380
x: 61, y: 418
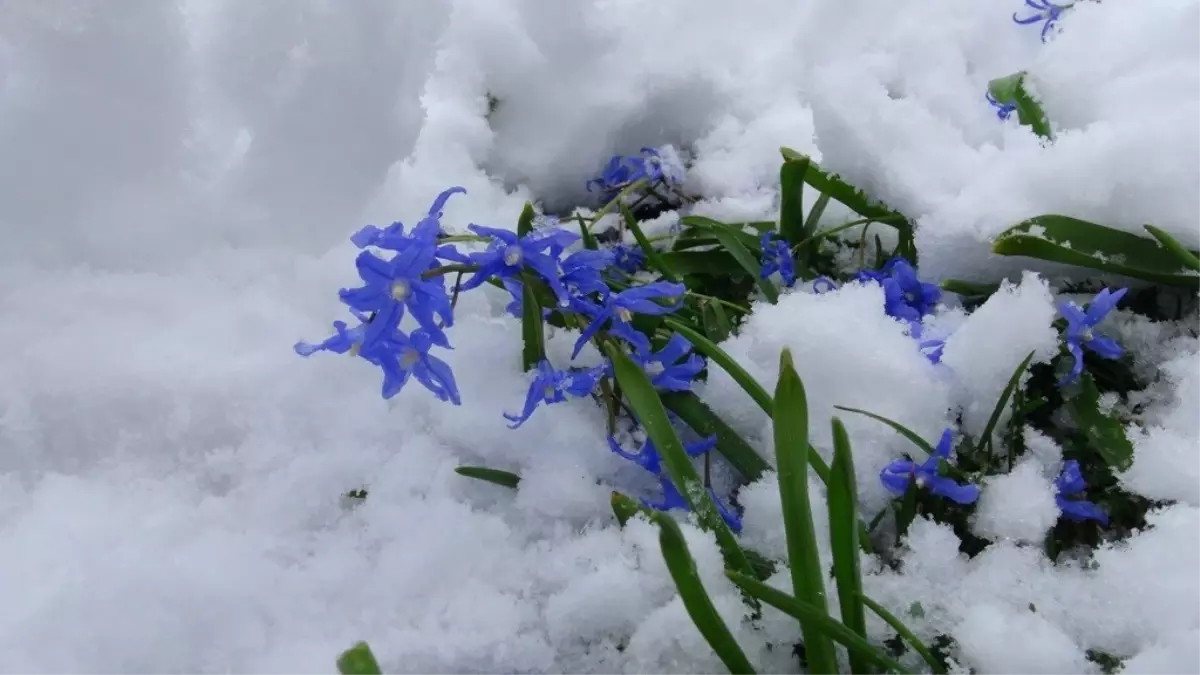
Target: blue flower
x: 1003, y: 110
x: 777, y: 257
x: 623, y: 171
x: 1080, y: 330
x: 906, y: 297
x: 393, y: 236
x: 1044, y: 11
x: 932, y: 349
x: 618, y: 309
x: 823, y: 285
x: 1069, y: 483
x: 901, y: 473
x: 400, y: 357
x: 391, y: 286
x: 664, y: 367
x: 582, y: 271
x: 506, y: 255
x: 553, y: 386
x: 649, y: 459
x: 628, y: 259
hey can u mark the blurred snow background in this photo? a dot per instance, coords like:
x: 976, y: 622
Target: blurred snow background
x: 176, y: 184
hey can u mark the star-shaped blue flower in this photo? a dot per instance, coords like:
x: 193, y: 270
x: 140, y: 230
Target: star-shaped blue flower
x: 1044, y: 11
x: 1003, y: 110
x: 554, y: 386
x: 1081, y: 330
x: 777, y: 257
x: 906, y: 297
x: 507, y: 254
x: 392, y: 286
x: 393, y: 236
x: 664, y: 367
x: 1069, y: 483
x: 649, y: 459
x: 901, y: 473
x: 628, y: 259
x: 617, y: 310
x: 582, y: 271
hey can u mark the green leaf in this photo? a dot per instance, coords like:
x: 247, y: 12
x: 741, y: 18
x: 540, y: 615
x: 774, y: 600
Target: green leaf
x: 1011, y: 89
x: 791, y: 461
x: 532, y: 331
x: 525, y: 221
x: 764, y: 567
x: 697, y: 415
x: 1184, y: 256
x: 699, y: 606
x: 653, y: 258
x: 842, y: 498
x: 713, y: 263
x: 716, y: 322
x: 818, y: 619
x: 1104, y: 433
x: 854, y: 199
x: 734, y: 246
x: 814, y: 216
x: 358, y: 660
x: 986, y: 438
x: 904, y: 632
x: 650, y: 412
x: 903, y: 430
x: 589, y: 241
x: 1077, y: 242
x: 969, y: 289
x: 710, y: 227
x: 624, y: 508
x: 502, y: 478
x: 791, y: 195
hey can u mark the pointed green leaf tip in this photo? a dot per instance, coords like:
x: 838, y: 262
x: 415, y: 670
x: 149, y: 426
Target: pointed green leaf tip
x: 358, y: 660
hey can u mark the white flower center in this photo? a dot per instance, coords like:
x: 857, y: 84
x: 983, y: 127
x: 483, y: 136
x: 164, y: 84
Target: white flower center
x: 512, y: 255
x: 1086, y: 335
x: 548, y: 392
x: 401, y: 290
x: 921, y: 480
x: 910, y: 296
x: 654, y: 368
x: 410, y: 358
x: 624, y: 314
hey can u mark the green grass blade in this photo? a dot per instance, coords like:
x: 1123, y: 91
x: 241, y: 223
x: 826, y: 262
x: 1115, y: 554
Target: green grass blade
x: 525, y: 221
x: 533, y: 332
x: 653, y: 258
x: 716, y: 322
x: 731, y: 240
x: 819, y: 620
x: 1184, y: 256
x: 903, y: 631
x: 699, y: 606
x: 814, y: 216
x: 1001, y: 404
x: 1011, y: 89
x: 653, y: 416
x: 502, y: 478
x: 710, y: 227
x: 358, y: 660
x: 585, y: 235
x: 1106, y: 435
x: 625, y: 507
x: 791, y: 195
x: 704, y: 421
x: 1077, y: 242
x: 903, y: 430
x: 969, y: 289
x: 791, y: 461
x: 843, y: 537
x: 854, y: 199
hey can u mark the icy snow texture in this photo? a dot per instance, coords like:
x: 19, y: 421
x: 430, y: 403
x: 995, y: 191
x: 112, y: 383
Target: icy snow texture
x: 176, y: 188
x: 1018, y: 505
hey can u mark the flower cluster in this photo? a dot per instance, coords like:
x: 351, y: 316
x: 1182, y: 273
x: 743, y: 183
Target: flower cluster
x: 1080, y: 332
x: 651, y: 165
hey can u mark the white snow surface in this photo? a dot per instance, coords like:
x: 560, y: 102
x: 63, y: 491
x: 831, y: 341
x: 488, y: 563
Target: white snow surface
x: 177, y: 182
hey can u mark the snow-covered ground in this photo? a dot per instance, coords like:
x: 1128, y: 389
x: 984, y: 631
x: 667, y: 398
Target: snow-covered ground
x: 177, y: 182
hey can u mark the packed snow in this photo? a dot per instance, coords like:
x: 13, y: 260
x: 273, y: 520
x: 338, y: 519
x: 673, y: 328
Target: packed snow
x: 177, y: 185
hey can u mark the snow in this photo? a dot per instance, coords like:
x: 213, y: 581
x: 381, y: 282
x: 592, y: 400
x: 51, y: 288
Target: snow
x: 178, y: 183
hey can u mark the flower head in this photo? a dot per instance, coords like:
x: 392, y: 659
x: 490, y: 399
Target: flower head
x: 898, y: 475
x: 622, y: 171
x: 507, y: 255
x: 393, y: 236
x: 400, y: 356
x: 1069, y: 483
x: 649, y: 459
x: 1003, y: 110
x: 1081, y: 332
x: 554, y: 386
x: 777, y: 257
x: 582, y: 271
x: 1044, y: 11
x: 392, y: 286
x: 628, y: 259
x: 906, y: 297
x: 664, y: 367
x: 617, y: 310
